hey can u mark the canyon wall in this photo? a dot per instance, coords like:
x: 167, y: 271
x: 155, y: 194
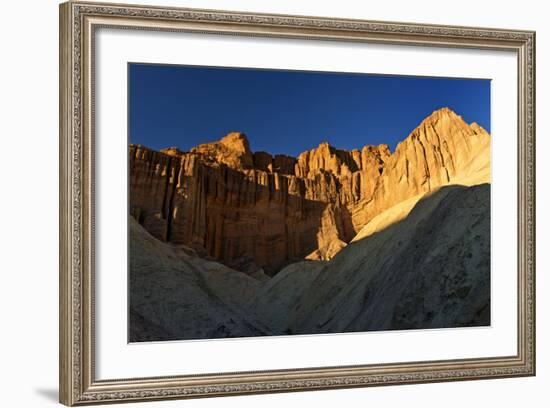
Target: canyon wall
x: 252, y: 211
x: 428, y: 270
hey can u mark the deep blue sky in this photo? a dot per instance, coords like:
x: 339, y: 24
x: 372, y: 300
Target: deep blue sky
x: 289, y: 111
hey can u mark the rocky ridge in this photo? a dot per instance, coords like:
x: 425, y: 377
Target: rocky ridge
x: 256, y: 212
x: 428, y: 270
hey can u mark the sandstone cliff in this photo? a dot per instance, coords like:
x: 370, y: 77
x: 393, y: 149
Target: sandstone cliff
x: 258, y: 212
x: 429, y: 270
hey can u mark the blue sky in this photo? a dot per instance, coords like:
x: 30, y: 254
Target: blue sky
x: 287, y: 112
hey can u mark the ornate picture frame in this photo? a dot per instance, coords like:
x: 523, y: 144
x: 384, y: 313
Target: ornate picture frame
x: 79, y: 22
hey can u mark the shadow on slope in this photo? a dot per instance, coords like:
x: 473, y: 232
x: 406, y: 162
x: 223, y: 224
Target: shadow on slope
x: 429, y: 270
x: 170, y: 299
x: 247, y: 220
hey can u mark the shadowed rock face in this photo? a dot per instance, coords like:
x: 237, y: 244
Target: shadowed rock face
x: 253, y: 211
x: 428, y: 270
x: 174, y: 294
x: 361, y: 240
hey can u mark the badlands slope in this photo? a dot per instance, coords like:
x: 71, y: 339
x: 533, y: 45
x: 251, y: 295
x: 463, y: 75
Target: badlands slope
x: 395, y: 241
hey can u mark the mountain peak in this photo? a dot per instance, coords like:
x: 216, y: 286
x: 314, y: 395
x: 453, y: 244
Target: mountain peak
x: 447, y: 122
x: 236, y: 141
x: 172, y: 151
x: 444, y: 112
x: 220, y: 196
x: 232, y: 150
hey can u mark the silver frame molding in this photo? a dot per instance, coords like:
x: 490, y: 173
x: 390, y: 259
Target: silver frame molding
x: 78, y: 22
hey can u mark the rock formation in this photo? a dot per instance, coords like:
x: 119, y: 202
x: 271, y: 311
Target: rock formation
x: 429, y: 270
x: 361, y: 240
x: 175, y: 294
x: 258, y: 212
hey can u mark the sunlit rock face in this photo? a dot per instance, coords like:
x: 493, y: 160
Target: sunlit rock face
x: 256, y: 212
x: 430, y: 269
x: 226, y: 242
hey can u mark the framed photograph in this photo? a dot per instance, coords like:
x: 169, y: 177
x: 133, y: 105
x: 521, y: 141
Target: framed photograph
x: 256, y: 203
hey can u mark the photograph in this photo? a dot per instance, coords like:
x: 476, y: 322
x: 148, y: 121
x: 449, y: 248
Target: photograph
x: 267, y: 202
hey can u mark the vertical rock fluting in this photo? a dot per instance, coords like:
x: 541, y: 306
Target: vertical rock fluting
x: 254, y: 210
x: 442, y: 150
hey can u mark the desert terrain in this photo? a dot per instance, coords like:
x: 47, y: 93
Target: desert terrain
x: 226, y: 242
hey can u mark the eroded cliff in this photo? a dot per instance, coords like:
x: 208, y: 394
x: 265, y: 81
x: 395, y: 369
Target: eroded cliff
x: 254, y: 211
x: 429, y: 270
